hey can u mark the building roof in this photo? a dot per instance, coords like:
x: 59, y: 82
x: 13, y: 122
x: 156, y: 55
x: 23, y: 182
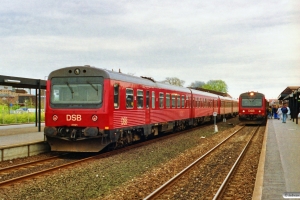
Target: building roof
x: 287, y: 91
x: 21, y: 82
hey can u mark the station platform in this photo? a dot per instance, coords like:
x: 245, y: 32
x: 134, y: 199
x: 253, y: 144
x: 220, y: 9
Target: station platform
x: 12, y: 140
x: 278, y: 175
x: 12, y: 135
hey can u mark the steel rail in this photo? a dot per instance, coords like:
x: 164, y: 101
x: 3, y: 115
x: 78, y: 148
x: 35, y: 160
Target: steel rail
x: 28, y: 163
x: 10, y: 181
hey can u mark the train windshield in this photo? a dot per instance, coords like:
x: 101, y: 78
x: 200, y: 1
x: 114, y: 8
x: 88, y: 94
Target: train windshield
x: 251, y: 102
x: 76, y: 91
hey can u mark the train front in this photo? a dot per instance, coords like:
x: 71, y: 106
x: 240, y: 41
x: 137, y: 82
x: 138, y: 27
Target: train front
x: 75, y: 111
x: 252, y: 108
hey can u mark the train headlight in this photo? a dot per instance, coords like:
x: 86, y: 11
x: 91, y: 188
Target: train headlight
x: 94, y: 118
x: 243, y: 111
x: 77, y: 71
x: 259, y: 111
x: 55, y: 118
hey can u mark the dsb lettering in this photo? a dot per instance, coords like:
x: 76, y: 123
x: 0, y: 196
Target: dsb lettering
x: 73, y: 118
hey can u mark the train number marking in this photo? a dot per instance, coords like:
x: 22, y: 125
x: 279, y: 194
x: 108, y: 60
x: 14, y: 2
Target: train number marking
x: 73, y: 118
x: 251, y: 111
x: 123, y: 120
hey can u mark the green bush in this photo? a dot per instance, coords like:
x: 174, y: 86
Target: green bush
x: 19, y: 118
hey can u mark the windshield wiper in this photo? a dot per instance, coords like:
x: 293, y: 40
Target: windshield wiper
x: 95, y: 88
x: 71, y: 89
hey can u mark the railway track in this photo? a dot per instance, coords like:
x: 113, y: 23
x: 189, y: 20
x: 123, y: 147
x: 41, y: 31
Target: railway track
x: 203, y: 178
x: 228, y: 187
x: 24, y: 171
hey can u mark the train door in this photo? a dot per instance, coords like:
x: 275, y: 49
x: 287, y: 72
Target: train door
x: 219, y: 106
x: 147, y: 107
x: 191, y: 106
x: 215, y: 103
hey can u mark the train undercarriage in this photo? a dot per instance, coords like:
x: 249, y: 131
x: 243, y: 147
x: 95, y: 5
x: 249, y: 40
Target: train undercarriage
x: 91, y: 139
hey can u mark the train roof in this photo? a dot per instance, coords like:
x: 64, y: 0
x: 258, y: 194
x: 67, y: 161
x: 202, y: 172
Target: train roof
x: 204, y: 93
x: 248, y: 93
x: 93, y: 71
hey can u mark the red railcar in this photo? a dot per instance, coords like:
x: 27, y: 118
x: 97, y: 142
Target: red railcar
x: 253, y: 108
x: 88, y: 108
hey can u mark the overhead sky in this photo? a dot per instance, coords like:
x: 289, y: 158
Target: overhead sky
x: 250, y: 45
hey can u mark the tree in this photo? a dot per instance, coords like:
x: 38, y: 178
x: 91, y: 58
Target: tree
x: 216, y: 85
x: 174, y: 81
x: 197, y: 84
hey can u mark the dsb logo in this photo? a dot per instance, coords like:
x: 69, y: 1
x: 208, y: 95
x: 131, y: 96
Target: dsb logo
x: 73, y: 118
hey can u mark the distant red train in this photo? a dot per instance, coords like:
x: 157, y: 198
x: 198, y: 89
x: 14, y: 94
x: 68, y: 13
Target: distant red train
x: 253, y: 108
x: 88, y: 108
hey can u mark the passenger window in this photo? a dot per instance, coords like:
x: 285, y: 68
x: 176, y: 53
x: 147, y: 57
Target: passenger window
x: 129, y: 98
x: 178, y: 101
x: 153, y: 99
x: 161, y: 100
x: 140, y: 98
x: 116, y: 95
x: 173, y: 101
x: 182, y: 101
x: 168, y: 100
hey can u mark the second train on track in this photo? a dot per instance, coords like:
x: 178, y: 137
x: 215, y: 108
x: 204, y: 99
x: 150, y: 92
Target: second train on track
x: 253, y: 108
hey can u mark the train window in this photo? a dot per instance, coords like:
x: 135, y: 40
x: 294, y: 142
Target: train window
x: 140, y: 98
x: 153, y: 99
x: 178, y: 101
x: 173, y: 100
x: 83, y: 92
x: 161, y: 100
x: 168, y: 100
x: 129, y: 98
x: 147, y: 99
x: 252, y: 102
x: 182, y: 101
x: 116, y: 95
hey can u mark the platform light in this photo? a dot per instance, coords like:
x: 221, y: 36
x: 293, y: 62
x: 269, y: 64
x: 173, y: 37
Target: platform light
x: 11, y: 81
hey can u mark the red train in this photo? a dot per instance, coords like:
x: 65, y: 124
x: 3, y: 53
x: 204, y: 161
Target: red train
x: 253, y: 108
x: 88, y: 108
